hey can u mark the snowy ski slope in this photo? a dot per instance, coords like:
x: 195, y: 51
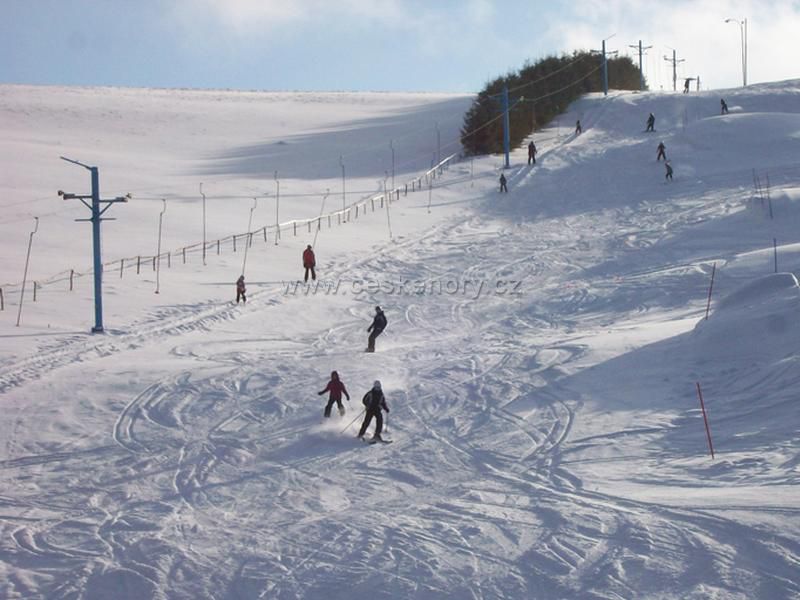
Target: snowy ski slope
x: 541, y: 360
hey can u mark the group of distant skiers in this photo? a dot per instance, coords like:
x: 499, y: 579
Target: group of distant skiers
x: 661, y: 148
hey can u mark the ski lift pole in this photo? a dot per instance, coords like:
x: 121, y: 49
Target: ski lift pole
x: 277, y: 208
x: 249, y: 226
x: 158, y: 251
x: 319, y: 219
x: 204, y: 224
x: 95, y: 220
x: 25, y: 275
x: 386, y: 198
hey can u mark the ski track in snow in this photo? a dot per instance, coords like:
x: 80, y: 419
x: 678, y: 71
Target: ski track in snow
x: 479, y: 498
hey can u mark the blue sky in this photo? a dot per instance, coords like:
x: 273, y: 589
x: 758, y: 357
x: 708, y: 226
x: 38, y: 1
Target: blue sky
x: 391, y: 45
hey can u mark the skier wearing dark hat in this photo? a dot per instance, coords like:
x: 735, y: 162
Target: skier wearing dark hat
x: 336, y: 388
x: 374, y: 401
x: 377, y: 327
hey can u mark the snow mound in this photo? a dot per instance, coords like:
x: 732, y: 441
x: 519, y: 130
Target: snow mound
x: 760, y: 317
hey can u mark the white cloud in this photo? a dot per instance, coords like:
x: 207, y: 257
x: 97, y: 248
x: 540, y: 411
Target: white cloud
x: 246, y: 16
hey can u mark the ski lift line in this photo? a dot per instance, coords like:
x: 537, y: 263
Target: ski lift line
x: 133, y: 260
x: 490, y: 121
x: 519, y: 87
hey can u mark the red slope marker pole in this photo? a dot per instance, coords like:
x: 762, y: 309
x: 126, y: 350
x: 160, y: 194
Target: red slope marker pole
x: 705, y: 419
x: 710, y: 287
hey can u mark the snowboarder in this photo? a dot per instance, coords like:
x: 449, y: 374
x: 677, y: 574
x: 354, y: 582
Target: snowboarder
x: 661, y: 154
x: 532, y: 153
x: 578, y: 128
x: 651, y: 122
x: 669, y: 171
x: 336, y: 388
x: 309, y: 262
x: 378, y: 325
x: 503, y: 187
x: 374, y: 401
x: 686, y: 85
x: 240, y: 290
x: 724, y: 106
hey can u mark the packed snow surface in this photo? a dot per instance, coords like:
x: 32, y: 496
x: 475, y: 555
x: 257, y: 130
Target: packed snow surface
x: 543, y: 362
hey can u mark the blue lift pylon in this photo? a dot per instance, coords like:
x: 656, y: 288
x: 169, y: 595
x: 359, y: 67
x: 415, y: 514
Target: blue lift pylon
x: 95, y: 219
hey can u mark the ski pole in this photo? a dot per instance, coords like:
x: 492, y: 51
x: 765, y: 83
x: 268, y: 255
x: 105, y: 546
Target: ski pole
x: 353, y: 421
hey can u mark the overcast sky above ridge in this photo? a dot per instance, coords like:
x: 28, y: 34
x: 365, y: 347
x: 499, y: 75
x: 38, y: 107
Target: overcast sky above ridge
x: 391, y: 45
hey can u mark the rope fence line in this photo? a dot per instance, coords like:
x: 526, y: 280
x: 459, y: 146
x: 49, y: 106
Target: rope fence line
x: 235, y: 241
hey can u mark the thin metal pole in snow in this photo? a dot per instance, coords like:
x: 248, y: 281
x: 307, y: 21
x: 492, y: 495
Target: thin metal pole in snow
x: 705, y: 420
x: 204, y: 224
x: 391, y: 147
x: 249, y: 235
x: 775, y: 251
x: 158, y: 252
x: 25, y: 275
x: 321, y: 210
x: 388, y: 218
x: 710, y: 287
x: 277, y: 208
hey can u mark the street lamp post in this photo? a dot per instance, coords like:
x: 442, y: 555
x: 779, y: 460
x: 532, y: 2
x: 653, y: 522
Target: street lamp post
x: 743, y: 36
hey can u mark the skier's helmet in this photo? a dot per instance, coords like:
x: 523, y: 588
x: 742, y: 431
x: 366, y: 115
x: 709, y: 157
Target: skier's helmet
x: 376, y: 385
x: 334, y: 375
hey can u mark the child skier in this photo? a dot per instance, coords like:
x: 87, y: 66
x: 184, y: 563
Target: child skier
x: 661, y: 154
x: 336, y: 388
x: 503, y: 186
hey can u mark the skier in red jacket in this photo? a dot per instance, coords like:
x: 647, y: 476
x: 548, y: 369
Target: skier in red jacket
x: 336, y: 388
x: 309, y: 262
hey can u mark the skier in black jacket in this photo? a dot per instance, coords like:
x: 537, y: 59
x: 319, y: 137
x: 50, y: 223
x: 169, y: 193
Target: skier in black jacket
x: 373, y: 401
x: 377, y: 327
